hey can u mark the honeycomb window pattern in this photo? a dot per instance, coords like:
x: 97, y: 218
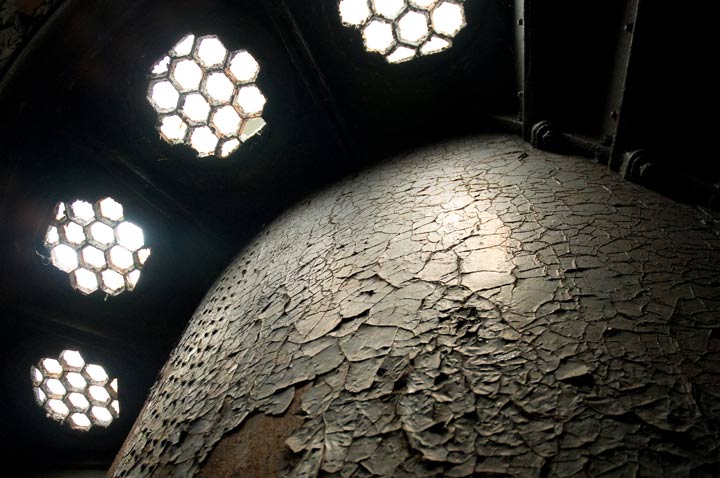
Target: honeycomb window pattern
x: 206, y: 96
x: 75, y: 392
x: 96, y: 246
x: 401, y: 30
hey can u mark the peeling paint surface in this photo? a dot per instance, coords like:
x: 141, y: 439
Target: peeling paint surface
x: 477, y: 308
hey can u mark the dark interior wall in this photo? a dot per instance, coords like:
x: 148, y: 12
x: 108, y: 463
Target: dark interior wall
x: 433, y: 97
x: 669, y: 109
x: 71, y: 473
x: 476, y: 308
x: 575, y: 49
x: 19, y: 21
x: 624, y: 82
x: 43, y: 446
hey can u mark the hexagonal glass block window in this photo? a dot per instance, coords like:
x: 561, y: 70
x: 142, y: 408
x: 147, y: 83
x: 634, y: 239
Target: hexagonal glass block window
x: 96, y: 246
x: 401, y: 30
x: 75, y: 392
x: 205, y: 95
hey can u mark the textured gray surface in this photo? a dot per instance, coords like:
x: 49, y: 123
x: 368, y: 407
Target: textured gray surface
x: 473, y: 309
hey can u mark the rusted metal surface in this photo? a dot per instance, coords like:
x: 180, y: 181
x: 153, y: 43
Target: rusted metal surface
x: 478, y: 308
x: 257, y: 449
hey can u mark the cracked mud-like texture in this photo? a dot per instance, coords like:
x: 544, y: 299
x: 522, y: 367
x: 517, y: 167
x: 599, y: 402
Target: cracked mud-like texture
x: 478, y: 308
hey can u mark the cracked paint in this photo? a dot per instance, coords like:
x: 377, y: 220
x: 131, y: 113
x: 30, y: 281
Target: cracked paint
x: 477, y: 308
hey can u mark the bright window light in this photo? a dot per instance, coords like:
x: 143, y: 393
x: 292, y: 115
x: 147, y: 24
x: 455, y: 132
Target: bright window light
x: 250, y: 101
x: 94, y: 257
x: 230, y: 146
x: 423, y: 4
x: 79, y: 402
x: 129, y: 236
x: 84, y: 280
x: 36, y: 376
x: 143, y: 255
x: 40, y: 396
x: 64, y: 258
x: 102, y: 233
x: 173, y: 129
x: 378, y: 36
x: 80, y: 421
x: 121, y: 259
x: 52, y: 236
x: 75, y: 381
x: 412, y: 28
x: 401, y: 53
x: 83, y: 212
x: 203, y: 140
x: 56, y: 409
x: 448, y: 18
x: 96, y: 246
x: 112, y: 281
x: 72, y: 360
x: 434, y: 45
x: 54, y: 388
x: 389, y: 9
x: 61, y: 388
x: 187, y: 75
x: 60, y: 211
x: 404, y: 29
x: 243, y: 67
x: 102, y: 416
x: 184, y: 46
x: 99, y: 394
x: 354, y: 12
x: 211, y: 52
x: 51, y: 368
x: 110, y: 209
x: 226, y: 121
x: 165, y: 95
x: 96, y: 374
x: 162, y: 66
x: 218, y: 88
x: 74, y: 233
x: 196, y: 108
x: 205, y: 96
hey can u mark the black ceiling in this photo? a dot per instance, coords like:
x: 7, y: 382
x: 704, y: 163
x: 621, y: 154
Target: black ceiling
x: 76, y: 124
